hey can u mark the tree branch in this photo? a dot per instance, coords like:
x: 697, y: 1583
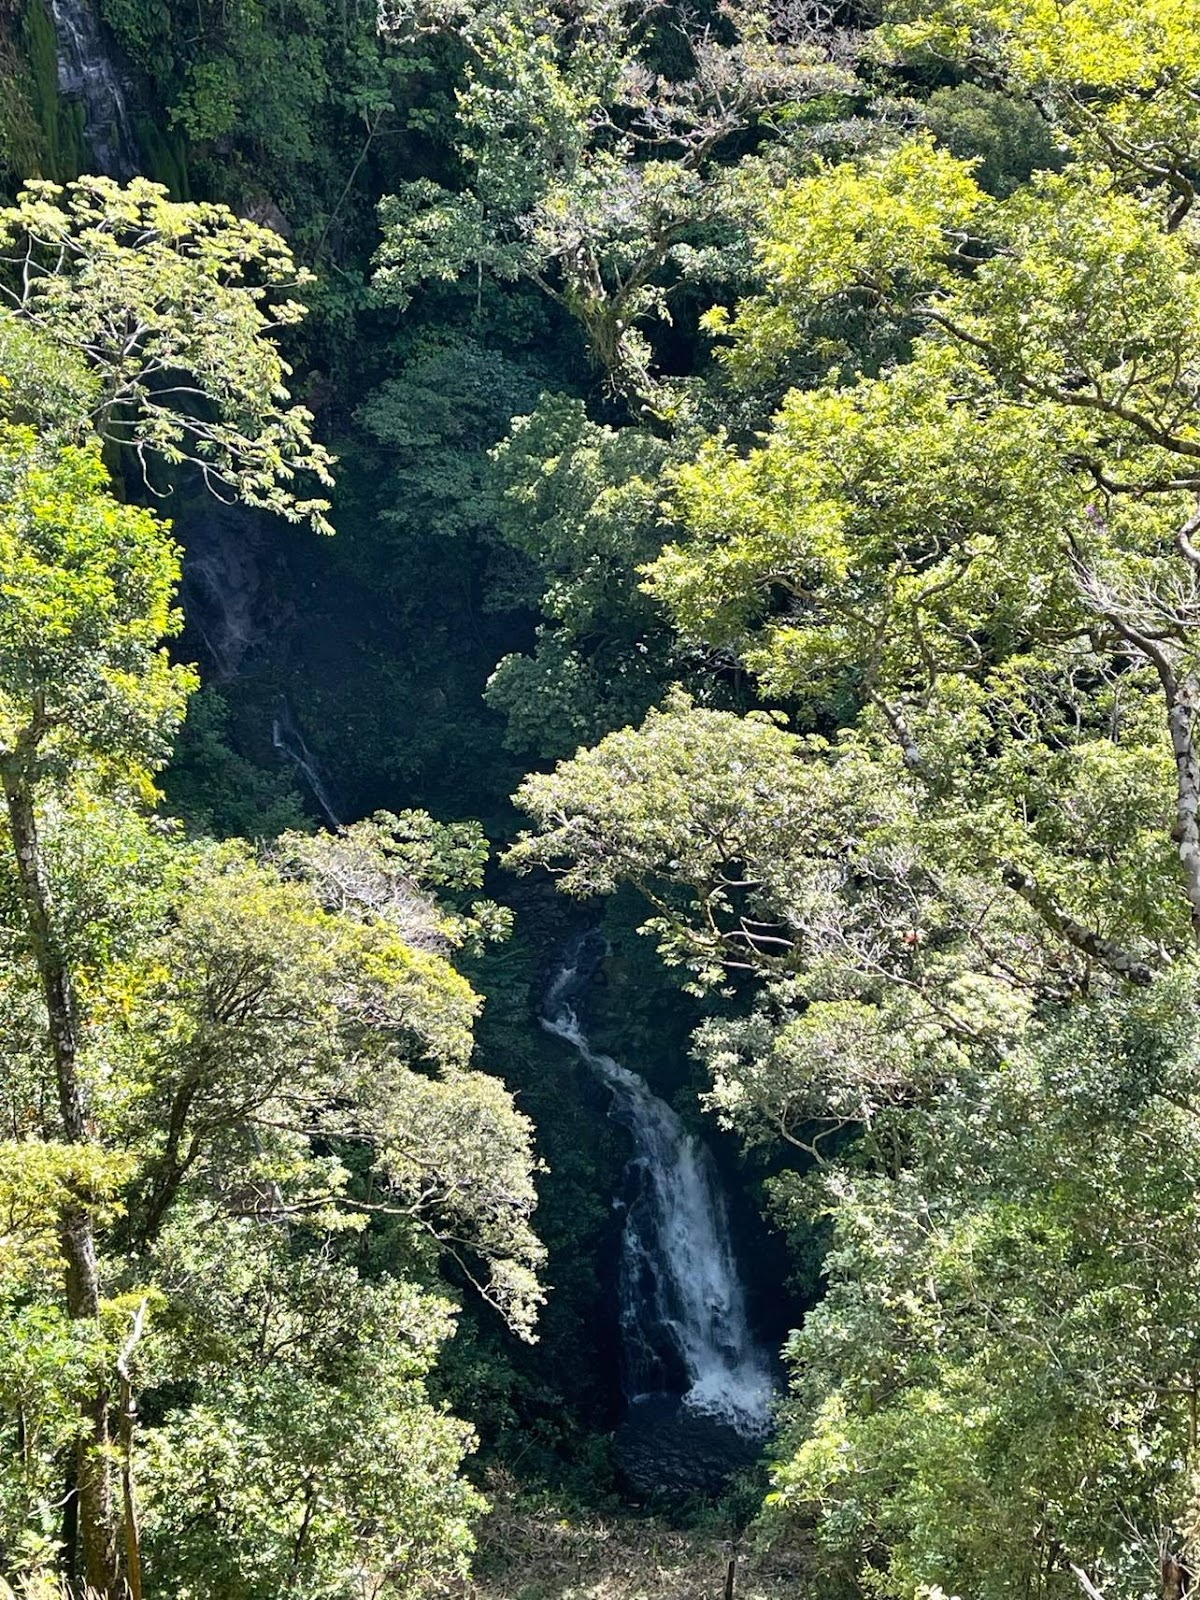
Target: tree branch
x: 1085, y: 1583
x: 1108, y: 953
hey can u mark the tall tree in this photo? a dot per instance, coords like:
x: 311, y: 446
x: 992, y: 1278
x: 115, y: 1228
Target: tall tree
x: 972, y: 568
x: 84, y: 683
x: 137, y: 321
x: 220, y: 1043
x: 600, y: 142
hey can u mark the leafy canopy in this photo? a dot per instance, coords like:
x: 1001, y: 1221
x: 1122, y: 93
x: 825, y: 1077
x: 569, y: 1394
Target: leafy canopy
x: 174, y: 309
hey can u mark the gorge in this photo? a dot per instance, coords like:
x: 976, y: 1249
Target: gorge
x: 759, y: 443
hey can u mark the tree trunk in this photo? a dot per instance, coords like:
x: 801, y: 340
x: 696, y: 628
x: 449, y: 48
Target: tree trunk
x: 1175, y: 1578
x: 129, y: 1413
x: 96, y: 1505
x: 1181, y: 719
x: 172, y: 1167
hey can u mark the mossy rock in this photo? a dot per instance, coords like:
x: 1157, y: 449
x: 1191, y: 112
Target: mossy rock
x: 61, y: 148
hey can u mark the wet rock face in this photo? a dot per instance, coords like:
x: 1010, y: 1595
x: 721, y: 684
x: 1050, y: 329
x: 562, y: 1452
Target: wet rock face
x: 225, y: 599
x: 664, y: 1449
x: 88, y: 72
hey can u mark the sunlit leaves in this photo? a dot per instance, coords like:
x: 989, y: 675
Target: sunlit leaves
x: 308, y: 1450
x: 1003, y: 1331
x: 972, y: 940
x: 175, y: 308
x: 1119, y: 76
x: 883, y: 230
x: 85, y: 598
x: 580, y: 501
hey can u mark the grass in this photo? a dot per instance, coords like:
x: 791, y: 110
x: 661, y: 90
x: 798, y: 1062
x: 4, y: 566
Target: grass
x: 542, y: 1553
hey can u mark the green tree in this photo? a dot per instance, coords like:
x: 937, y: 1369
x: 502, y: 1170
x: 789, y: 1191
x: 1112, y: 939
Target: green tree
x: 308, y: 1457
x: 197, y: 1038
x: 599, y: 146
x: 84, y: 683
x: 972, y: 569
x: 579, y: 502
x: 270, y: 1055
x: 173, y: 308
x: 997, y: 1395
x: 138, y: 321
x: 276, y: 1055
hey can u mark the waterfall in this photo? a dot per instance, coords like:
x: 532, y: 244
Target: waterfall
x: 86, y: 72
x: 683, y: 1324
x: 225, y: 599
x: 289, y: 741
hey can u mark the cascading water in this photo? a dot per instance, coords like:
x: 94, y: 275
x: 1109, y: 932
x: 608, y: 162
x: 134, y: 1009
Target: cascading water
x: 289, y: 741
x: 86, y: 72
x: 684, y: 1330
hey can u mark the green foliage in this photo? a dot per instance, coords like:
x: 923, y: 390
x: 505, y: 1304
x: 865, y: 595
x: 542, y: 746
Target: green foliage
x: 315, y: 998
x: 437, y: 419
x: 276, y: 1057
x: 957, y: 934
x: 42, y: 385
x: 1119, y: 81
x: 307, y: 1453
x: 168, y: 304
x: 1001, y: 1364
x: 591, y: 170
x: 880, y: 229
x: 281, y: 108
x: 579, y: 501
x: 88, y: 587
x: 222, y: 1067
x: 934, y: 499
x: 1007, y: 137
x: 46, y: 1359
x: 35, y: 1178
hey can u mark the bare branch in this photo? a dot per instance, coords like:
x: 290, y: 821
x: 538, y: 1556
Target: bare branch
x: 1085, y: 1583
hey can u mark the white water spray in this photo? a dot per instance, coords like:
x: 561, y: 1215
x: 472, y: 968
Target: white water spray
x: 682, y: 1304
x: 289, y: 741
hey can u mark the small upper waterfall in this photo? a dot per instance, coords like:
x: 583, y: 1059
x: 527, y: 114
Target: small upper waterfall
x: 289, y: 741
x: 86, y: 71
x: 683, y: 1324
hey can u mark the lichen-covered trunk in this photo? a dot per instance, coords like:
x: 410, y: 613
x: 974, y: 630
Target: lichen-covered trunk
x: 96, y: 1509
x: 1181, y: 717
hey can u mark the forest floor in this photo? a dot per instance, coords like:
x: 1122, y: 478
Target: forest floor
x: 542, y: 1553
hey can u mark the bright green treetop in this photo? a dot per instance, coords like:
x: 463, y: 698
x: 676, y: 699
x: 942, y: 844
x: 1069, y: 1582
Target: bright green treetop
x: 174, y: 309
